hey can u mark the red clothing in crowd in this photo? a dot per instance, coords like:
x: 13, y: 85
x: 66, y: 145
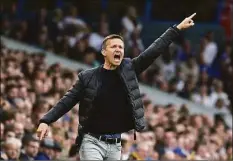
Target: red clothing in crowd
x: 227, y: 18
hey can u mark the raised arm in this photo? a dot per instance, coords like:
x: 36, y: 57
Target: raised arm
x: 66, y: 103
x: 146, y: 58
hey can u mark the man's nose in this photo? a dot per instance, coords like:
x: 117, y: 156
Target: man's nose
x: 117, y: 50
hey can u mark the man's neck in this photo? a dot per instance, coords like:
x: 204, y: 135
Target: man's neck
x: 109, y: 66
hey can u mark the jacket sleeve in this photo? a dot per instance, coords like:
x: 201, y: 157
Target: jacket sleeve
x: 146, y: 58
x: 66, y: 103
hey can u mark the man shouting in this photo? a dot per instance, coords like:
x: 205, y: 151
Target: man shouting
x: 109, y: 97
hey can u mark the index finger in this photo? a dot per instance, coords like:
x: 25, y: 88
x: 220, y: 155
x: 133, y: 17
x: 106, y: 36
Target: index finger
x: 194, y: 14
x: 42, y: 135
x: 39, y: 134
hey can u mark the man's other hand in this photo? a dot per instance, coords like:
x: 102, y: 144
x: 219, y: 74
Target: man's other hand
x: 42, y: 131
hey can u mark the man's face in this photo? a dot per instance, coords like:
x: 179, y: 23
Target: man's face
x: 20, y: 117
x: 168, y: 138
x: 49, y: 152
x: 32, y: 148
x: 202, y: 150
x: 41, y: 75
x: 59, y: 83
x: 143, y: 150
x: 114, y: 51
x: 132, y: 12
x: 203, y: 90
x: 198, y: 121
x: 9, y: 134
x: 12, y: 151
x: 57, y: 154
x: 159, y: 132
x: 13, y: 93
x: 19, y: 130
x: 30, y: 65
x: 39, y: 86
x: 23, y: 92
x: 229, y: 151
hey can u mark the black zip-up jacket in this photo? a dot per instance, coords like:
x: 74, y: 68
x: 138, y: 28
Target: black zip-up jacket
x: 85, y: 89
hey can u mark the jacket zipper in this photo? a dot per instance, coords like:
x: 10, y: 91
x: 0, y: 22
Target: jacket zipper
x: 129, y: 99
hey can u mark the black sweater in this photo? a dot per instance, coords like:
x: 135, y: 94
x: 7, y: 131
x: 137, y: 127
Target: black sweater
x: 111, y: 106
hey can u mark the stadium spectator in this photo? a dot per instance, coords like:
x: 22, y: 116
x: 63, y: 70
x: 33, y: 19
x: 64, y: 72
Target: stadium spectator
x: 12, y: 148
x: 31, y: 147
x: 130, y: 22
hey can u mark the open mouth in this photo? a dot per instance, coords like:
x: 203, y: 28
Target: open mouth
x: 117, y: 57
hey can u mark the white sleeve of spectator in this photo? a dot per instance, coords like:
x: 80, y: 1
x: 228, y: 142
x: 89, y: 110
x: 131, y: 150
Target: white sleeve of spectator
x: 210, y: 53
x: 127, y: 24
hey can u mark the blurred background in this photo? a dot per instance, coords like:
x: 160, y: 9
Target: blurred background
x: 187, y: 92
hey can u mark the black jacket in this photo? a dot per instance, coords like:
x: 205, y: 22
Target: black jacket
x: 85, y: 89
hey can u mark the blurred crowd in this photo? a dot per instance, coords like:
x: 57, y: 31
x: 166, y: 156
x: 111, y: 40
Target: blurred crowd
x: 64, y: 32
x: 201, y: 73
x: 198, y: 75
x: 30, y: 87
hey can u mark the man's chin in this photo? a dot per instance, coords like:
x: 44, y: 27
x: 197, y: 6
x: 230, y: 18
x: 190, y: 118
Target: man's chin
x: 116, y: 63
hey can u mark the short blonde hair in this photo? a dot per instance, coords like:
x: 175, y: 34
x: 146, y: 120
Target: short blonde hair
x: 109, y: 37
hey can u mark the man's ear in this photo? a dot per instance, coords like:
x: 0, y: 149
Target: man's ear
x: 103, y: 52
